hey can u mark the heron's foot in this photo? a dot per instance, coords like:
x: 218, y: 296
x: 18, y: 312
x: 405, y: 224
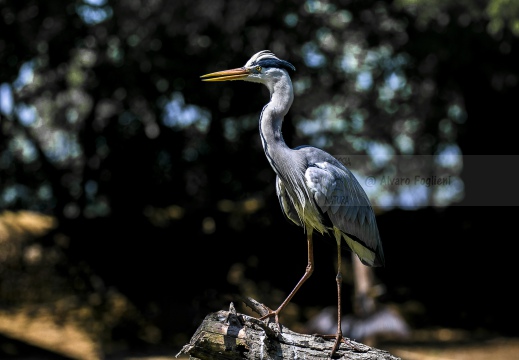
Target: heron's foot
x: 339, y: 338
x: 272, y: 314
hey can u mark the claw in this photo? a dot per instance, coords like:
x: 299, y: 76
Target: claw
x: 338, y: 340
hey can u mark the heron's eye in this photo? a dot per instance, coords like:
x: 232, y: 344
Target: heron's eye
x: 258, y: 68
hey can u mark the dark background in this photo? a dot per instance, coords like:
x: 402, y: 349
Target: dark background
x: 157, y: 209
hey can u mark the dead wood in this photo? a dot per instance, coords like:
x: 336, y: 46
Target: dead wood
x: 228, y: 335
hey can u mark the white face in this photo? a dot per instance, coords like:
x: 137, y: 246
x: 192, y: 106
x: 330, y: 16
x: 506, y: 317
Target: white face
x: 264, y: 75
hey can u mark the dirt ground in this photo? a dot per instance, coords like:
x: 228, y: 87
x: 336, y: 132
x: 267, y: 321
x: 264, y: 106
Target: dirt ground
x: 25, y: 336
x: 494, y: 349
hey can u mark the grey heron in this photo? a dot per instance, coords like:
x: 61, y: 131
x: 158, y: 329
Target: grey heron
x: 315, y: 190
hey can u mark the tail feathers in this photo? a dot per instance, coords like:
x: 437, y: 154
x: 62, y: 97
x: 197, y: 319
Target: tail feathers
x: 367, y: 256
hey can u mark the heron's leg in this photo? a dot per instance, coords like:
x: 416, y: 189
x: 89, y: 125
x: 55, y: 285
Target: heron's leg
x: 309, y: 270
x: 339, y: 338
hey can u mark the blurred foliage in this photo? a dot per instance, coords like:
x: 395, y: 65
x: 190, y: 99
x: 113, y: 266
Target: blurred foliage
x: 106, y: 126
x: 94, y: 82
x: 499, y: 14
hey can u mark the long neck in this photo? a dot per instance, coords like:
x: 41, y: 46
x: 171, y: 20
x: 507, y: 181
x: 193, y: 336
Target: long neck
x: 288, y: 164
x: 271, y: 120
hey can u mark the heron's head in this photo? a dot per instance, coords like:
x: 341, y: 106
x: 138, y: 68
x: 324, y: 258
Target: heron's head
x: 262, y: 67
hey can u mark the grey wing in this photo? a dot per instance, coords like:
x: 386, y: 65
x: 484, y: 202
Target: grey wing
x: 286, y: 204
x: 340, y: 197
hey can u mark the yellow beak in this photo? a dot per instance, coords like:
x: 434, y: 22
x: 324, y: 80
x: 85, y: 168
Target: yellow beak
x: 232, y: 74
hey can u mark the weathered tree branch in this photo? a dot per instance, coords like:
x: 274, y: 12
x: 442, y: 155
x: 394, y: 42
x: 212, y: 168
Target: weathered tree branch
x: 227, y: 335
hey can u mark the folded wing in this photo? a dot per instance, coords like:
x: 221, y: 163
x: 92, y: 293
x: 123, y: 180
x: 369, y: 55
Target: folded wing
x: 340, y: 197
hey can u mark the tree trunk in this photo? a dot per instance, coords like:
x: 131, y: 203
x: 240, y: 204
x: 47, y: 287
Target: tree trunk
x: 227, y: 335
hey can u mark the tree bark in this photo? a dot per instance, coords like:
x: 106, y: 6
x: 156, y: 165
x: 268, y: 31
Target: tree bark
x: 228, y: 335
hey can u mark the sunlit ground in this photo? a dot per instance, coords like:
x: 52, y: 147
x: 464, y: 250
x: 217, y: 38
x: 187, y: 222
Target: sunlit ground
x: 41, y: 330
x: 462, y: 346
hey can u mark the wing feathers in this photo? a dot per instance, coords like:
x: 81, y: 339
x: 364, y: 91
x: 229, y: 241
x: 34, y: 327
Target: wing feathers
x: 286, y: 205
x: 338, y: 193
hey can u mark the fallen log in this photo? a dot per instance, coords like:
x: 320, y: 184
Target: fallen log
x: 228, y: 335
